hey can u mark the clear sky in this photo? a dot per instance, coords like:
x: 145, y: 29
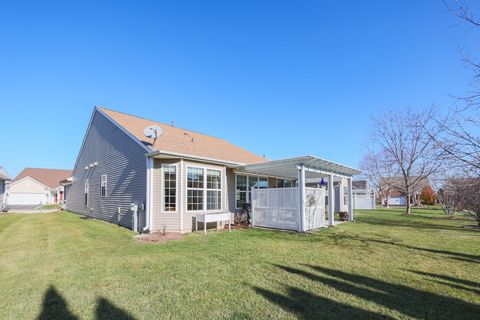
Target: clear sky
x: 280, y: 78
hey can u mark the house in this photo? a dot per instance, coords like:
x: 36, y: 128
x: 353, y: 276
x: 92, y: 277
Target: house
x: 396, y: 190
x: 36, y: 186
x: 166, y: 179
x: 4, y: 179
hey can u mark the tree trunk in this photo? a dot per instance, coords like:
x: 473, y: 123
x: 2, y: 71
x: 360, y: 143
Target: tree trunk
x: 409, y: 206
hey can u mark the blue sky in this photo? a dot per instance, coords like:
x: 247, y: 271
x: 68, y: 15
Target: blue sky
x: 280, y: 78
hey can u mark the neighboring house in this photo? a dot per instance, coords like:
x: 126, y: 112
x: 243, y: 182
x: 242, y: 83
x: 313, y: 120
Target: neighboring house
x: 36, y: 186
x: 396, y: 191
x: 170, y: 179
x: 363, y: 195
x: 4, y: 179
x: 65, y: 184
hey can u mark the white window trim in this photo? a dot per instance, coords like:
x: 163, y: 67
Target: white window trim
x: 207, y: 189
x: 204, y: 189
x: 106, y: 184
x: 162, y: 184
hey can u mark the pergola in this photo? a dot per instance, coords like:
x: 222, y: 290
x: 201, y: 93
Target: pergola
x: 307, y: 169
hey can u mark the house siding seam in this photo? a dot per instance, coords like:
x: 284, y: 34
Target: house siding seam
x: 119, y: 157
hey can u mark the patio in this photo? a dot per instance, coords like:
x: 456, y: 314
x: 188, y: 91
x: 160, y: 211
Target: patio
x: 300, y: 208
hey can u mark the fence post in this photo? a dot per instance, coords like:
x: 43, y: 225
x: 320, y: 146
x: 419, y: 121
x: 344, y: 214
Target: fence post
x: 301, y: 195
x: 254, y: 197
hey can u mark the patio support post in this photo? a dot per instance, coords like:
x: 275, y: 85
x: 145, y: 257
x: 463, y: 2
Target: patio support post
x: 350, y: 202
x: 301, y: 194
x: 331, y: 201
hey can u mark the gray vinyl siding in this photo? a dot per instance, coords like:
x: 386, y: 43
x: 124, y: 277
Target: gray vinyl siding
x: 123, y: 161
x: 2, y: 188
x: 66, y: 191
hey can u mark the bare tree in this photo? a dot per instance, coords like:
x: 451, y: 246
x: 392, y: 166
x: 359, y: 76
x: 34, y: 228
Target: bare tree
x: 461, y: 194
x: 460, y: 140
x: 380, y: 168
x: 402, y: 136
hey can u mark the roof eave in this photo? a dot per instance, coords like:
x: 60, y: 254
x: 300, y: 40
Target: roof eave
x: 170, y: 154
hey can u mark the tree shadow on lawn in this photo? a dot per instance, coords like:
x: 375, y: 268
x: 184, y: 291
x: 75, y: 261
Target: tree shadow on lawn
x: 407, y: 222
x: 465, y: 257
x: 406, y: 300
x: 311, y: 307
x: 54, y: 306
x: 453, y: 282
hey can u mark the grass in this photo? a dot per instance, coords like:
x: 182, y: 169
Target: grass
x: 384, y: 266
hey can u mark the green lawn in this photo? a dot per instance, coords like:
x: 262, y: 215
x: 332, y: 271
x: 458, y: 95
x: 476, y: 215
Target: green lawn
x: 384, y: 266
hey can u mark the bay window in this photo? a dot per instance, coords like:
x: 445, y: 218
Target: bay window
x: 169, y: 174
x: 204, y: 189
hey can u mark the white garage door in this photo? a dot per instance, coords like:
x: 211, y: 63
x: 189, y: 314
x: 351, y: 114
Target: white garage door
x: 26, y: 198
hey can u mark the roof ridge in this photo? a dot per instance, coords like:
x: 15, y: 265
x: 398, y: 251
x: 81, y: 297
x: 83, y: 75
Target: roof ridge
x: 164, y: 123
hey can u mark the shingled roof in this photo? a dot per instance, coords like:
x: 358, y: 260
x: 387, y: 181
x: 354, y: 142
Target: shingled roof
x: 49, y: 177
x: 183, y: 141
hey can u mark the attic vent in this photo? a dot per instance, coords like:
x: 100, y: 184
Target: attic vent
x: 188, y: 135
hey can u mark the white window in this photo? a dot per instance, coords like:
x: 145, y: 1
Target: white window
x: 103, y: 185
x: 204, y: 189
x: 169, y: 174
x: 86, y: 187
x: 214, y: 189
x: 195, y: 186
x: 244, y: 185
x: 345, y: 195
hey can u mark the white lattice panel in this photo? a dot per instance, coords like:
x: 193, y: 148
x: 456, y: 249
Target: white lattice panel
x: 276, y: 208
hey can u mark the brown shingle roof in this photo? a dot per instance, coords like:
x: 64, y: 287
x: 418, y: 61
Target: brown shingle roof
x: 49, y: 177
x: 183, y: 141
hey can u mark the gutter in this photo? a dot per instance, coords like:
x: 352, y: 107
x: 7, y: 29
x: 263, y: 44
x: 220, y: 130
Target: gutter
x: 192, y: 157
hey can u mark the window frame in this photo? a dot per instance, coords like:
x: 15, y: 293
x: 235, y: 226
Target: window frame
x: 86, y: 190
x: 162, y: 192
x: 205, y: 189
x: 103, y: 186
x: 248, y: 191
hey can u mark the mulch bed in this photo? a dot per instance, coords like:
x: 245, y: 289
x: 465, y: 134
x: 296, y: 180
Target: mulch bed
x: 158, y: 237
